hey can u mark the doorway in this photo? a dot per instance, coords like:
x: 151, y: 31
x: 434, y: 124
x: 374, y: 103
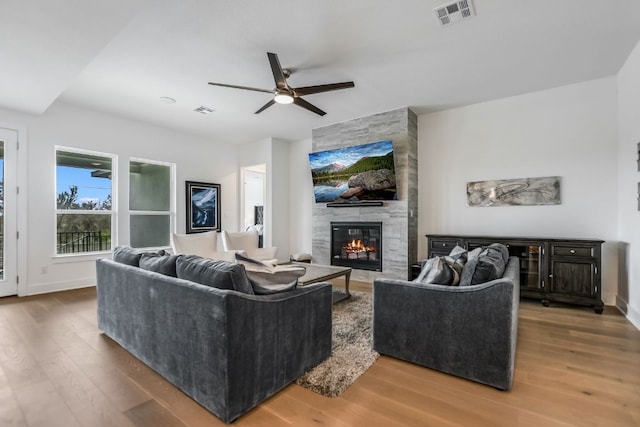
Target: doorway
x: 253, y: 200
x: 8, y: 212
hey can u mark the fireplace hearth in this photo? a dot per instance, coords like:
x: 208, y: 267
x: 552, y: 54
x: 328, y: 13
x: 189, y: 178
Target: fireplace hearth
x: 357, y: 245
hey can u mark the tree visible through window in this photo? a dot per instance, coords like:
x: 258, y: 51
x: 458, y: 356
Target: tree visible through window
x: 84, y: 214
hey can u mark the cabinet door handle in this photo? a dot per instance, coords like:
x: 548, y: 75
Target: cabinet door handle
x: 551, y: 276
x: 573, y: 251
x: 444, y: 245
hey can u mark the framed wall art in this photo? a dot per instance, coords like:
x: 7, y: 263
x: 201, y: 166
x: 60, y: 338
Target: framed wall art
x: 203, y: 207
x: 514, y: 192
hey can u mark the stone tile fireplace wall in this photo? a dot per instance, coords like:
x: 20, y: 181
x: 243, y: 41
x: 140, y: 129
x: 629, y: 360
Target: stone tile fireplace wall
x: 399, y: 217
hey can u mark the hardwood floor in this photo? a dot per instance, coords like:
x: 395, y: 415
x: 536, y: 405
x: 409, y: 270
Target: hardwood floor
x: 573, y: 368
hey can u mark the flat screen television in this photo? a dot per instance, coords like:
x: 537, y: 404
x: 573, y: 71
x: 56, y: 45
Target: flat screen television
x: 354, y: 174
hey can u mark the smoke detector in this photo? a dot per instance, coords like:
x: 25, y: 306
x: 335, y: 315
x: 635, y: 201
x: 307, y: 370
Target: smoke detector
x: 454, y: 11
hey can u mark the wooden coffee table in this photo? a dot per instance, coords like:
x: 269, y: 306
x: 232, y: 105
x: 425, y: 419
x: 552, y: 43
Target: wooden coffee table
x: 323, y: 273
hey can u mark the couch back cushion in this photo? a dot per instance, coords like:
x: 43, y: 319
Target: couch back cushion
x: 127, y: 255
x: 163, y: 264
x: 484, y: 264
x: 214, y: 273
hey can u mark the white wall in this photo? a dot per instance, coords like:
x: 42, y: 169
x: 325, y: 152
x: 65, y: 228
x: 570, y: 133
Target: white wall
x: 569, y: 131
x: 278, y: 196
x: 196, y: 159
x: 302, y: 199
x: 629, y: 179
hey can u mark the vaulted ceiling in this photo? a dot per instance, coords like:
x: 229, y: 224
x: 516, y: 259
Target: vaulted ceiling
x: 123, y: 56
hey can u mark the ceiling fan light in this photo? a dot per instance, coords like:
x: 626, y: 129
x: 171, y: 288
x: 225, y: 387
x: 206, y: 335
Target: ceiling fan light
x: 283, y: 98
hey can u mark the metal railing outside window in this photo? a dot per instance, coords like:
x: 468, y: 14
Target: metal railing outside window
x: 82, y: 241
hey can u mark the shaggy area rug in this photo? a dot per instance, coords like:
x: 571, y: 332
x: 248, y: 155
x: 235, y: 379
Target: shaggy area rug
x: 351, y: 353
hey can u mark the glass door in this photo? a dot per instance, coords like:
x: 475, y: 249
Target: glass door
x: 8, y: 212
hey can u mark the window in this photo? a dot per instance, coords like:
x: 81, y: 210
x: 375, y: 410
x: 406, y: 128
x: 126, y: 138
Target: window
x: 84, y: 212
x: 151, y: 210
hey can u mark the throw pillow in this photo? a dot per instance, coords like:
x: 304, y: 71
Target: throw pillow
x: 439, y: 271
x: 127, y: 255
x: 217, y: 274
x: 160, y: 263
x: 268, y: 279
x: 485, y: 264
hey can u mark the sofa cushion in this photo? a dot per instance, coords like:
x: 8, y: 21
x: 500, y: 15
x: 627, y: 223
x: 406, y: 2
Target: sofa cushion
x: 127, y: 255
x: 160, y: 263
x: 485, y: 264
x: 440, y: 270
x: 217, y: 274
x: 268, y: 279
x: 459, y: 255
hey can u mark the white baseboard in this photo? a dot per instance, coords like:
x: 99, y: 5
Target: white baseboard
x: 66, y: 285
x: 629, y: 311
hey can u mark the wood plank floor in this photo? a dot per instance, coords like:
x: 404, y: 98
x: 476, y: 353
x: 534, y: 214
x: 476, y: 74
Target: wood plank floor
x: 573, y: 368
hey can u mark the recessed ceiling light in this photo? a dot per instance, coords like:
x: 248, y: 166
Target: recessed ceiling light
x: 167, y: 100
x: 96, y: 163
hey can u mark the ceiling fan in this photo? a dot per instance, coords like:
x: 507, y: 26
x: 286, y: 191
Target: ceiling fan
x: 285, y: 94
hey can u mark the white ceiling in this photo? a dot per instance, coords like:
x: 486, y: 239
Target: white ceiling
x: 121, y: 56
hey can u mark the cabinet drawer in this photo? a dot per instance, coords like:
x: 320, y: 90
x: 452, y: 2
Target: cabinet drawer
x: 442, y: 245
x: 578, y: 251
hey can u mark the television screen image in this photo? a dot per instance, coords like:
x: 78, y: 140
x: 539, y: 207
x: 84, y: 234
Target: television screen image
x: 356, y: 173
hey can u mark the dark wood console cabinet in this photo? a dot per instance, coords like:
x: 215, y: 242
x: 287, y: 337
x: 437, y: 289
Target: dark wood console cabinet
x: 561, y: 270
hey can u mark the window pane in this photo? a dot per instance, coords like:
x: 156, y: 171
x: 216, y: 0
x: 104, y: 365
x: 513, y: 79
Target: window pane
x: 83, y: 233
x: 149, y: 187
x: 150, y: 230
x: 83, y: 181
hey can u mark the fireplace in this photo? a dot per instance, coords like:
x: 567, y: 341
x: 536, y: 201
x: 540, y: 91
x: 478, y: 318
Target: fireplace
x: 357, y: 245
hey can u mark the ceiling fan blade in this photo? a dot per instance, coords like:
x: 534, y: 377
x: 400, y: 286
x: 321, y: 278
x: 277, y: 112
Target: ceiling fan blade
x: 242, y: 87
x: 304, y: 104
x: 276, y: 69
x: 309, y: 90
x: 265, y: 106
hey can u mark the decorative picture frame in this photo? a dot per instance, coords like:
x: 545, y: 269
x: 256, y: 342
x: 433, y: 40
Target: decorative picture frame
x: 203, y: 207
x: 514, y: 192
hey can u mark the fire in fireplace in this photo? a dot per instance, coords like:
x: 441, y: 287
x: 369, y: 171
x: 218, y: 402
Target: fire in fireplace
x: 357, y: 245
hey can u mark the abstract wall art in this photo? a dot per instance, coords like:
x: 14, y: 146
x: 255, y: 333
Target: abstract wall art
x: 514, y: 192
x: 203, y: 207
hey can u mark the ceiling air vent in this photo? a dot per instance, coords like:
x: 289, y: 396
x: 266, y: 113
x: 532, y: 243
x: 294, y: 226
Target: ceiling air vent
x: 454, y: 11
x: 203, y: 110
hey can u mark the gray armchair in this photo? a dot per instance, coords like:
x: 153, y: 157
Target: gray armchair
x: 467, y: 331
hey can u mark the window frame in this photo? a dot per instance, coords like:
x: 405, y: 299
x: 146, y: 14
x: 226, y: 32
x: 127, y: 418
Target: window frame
x: 114, y: 202
x: 172, y: 200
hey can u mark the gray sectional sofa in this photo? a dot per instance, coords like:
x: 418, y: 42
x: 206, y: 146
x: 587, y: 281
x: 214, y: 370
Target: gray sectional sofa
x: 469, y: 331
x: 227, y: 349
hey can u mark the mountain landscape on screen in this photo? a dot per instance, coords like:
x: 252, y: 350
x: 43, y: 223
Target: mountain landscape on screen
x: 356, y: 173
